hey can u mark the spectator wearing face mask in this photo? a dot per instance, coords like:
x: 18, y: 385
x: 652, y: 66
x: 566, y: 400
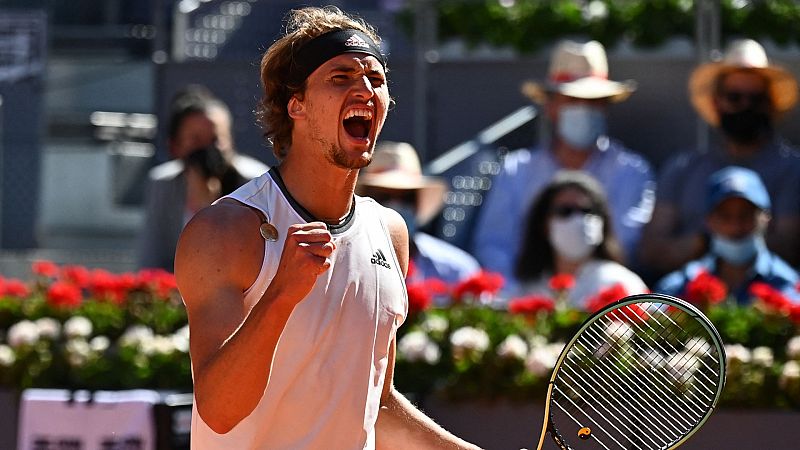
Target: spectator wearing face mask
x: 394, y: 179
x: 737, y: 217
x: 742, y: 97
x: 575, y: 100
x: 570, y: 232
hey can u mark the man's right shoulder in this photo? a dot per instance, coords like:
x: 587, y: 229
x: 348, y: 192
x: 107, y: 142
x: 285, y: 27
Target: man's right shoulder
x: 223, y: 238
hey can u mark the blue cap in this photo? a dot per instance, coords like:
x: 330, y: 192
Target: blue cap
x: 738, y: 182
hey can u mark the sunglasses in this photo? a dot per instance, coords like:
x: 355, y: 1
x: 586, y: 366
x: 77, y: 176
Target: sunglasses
x: 751, y: 98
x: 568, y: 210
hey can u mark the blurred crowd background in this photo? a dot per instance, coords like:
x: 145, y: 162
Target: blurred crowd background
x: 86, y: 87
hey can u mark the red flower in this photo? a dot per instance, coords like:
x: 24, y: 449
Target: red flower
x: 45, y: 268
x: 77, y: 275
x: 14, y: 288
x: 562, y: 282
x: 705, y: 289
x: 531, y: 304
x: 436, y: 286
x: 794, y: 314
x: 64, y: 295
x: 770, y: 296
x: 419, y: 297
x: 412, y: 269
x: 482, y: 282
x: 159, y: 281
x: 606, y: 296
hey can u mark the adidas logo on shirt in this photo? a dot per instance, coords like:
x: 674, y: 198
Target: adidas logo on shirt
x: 356, y: 41
x: 379, y: 259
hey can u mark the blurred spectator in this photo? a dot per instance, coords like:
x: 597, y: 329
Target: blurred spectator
x: 742, y: 96
x: 394, y: 179
x: 198, y: 121
x: 570, y: 232
x: 575, y: 100
x: 737, y: 215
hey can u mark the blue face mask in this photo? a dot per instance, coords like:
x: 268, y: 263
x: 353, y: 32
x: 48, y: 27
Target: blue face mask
x: 737, y: 252
x: 581, y: 125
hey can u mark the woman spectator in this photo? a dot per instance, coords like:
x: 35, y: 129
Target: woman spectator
x: 569, y: 232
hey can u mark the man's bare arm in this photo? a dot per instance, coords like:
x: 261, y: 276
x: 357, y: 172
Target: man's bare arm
x: 219, y: 256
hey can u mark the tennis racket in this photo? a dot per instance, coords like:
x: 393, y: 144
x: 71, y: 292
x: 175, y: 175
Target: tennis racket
x: 644, y: 372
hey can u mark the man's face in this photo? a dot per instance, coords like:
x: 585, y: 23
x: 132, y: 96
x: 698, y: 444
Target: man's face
x: 736, y: 218
x: 344, y: 108
x: 742, y: 90
x: 202, y: 129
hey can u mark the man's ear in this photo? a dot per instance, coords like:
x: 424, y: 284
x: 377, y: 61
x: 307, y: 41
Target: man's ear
x: 296, y: 108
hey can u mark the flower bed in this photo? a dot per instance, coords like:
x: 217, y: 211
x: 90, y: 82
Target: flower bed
x: 475, y: 350
x: 76, y: 328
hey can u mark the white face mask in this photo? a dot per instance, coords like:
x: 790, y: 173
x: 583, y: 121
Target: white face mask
x: 737, y: 252
x: 581, y: 125
x: 575, y: 237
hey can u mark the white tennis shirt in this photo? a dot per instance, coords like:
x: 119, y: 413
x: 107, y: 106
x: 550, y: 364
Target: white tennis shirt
x: 329, y: 366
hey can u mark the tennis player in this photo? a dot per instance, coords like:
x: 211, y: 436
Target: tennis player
x: 293, y: 285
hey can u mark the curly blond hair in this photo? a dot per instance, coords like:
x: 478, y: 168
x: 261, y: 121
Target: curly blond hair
x: 302, y: 25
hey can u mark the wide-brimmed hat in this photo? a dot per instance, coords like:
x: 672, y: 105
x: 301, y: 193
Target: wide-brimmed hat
x: 579, y: 70
x: 396, y: 166
x: 741, y: 54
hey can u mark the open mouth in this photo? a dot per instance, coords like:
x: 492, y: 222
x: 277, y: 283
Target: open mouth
x: 358, y: 123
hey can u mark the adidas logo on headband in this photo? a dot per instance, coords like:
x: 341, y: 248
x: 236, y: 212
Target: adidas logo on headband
x: 356, y: 41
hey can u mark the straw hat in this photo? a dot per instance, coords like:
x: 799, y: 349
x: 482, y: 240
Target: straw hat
x: 579, y: 70
x: 741, y: 54
x: 396, y: 166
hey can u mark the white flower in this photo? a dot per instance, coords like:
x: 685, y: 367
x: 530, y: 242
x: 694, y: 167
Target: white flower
x: 99, y: 344
x: 135, y: 335
x: 537, y: 341
x: 762, y: 356
x: 22, y: 333
x: 7, y: 356
x: 77, y: 326
x: 682, y: 366
x: 468, y: 339
x: 793, y: 348
x: 157, y: 345
x: 542, y: 360
x: 698, y: 346
x: 49, y: 328
x: 790, y: 375
x: 513, y: 347
x: 417, y: 346
x: 435, y: 324
x: 595, y: 10
x: 78, y: 352
x: 652, y: 359
x: 180, y: 342
x: 619, y: 332
x: 737, y: 353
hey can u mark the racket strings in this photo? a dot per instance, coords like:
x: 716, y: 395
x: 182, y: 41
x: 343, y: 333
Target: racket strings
x: 687, y: 356
x: 654, y: 389
x: 641, y: 376
x: 607, y: 405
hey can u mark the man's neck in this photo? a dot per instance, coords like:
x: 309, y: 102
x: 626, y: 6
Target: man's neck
x: 322, y: 189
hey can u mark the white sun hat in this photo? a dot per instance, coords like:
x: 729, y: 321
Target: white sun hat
x: 579, y: 70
